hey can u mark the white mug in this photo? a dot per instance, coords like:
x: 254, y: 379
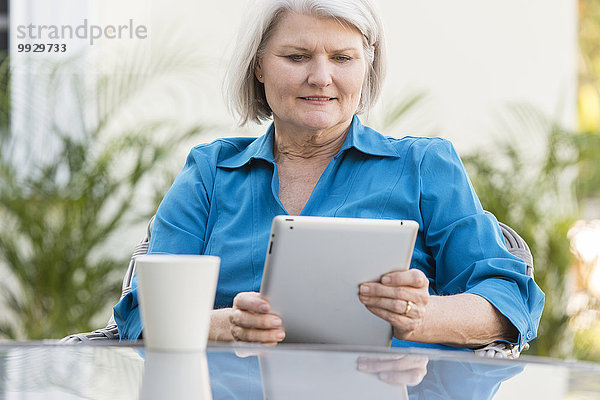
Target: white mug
x: 176, y: 296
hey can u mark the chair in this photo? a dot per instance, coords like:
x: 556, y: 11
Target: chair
x: 514, y: 243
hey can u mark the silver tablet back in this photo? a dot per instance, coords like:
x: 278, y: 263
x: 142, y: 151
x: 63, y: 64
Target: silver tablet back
x: 313, y: 269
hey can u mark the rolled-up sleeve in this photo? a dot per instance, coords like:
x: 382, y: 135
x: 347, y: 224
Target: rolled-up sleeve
x: 467, y: 245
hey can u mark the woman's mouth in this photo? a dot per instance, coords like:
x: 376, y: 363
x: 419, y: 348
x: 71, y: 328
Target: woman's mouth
x: 318, y: 99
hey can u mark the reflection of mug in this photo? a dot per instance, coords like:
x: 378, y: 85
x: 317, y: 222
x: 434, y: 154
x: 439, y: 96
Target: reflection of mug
x: 177, y: 294
x: 176, y: 376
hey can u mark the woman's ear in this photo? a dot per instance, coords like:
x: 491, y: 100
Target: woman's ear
x: 258, y: 72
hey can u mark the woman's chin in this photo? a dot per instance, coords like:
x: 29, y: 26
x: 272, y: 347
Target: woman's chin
x: 316, y: 121
x: 320, y: 122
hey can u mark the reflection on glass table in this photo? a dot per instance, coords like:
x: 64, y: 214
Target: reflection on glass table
x: 43, y: 371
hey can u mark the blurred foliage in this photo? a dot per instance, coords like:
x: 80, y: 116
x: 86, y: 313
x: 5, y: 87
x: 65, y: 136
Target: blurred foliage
x: 587, y: 184
x: 523, y: 190
x: 531, y: 179
x: 588, y: 343
x: 589, y: 65
x: 400, y: 111
x: 59, y: 212
x: 587, y: 340
x: 589, y: 91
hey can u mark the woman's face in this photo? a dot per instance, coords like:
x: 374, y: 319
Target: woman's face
x: 313, y: 71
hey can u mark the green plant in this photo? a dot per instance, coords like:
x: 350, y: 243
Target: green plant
x: 58, y: 213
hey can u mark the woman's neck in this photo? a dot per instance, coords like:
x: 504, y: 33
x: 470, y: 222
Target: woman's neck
x: 314, y: 146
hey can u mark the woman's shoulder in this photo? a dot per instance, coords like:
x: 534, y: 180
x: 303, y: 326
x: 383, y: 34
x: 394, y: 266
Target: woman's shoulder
x: 215, y: 152
x: 225, y: 146
x: 418, y: 146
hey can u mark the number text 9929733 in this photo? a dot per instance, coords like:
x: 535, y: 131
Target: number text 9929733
x: 41, y: 47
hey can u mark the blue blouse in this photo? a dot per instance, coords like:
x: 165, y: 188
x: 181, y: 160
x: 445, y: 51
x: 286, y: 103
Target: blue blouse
x: 223, y: 201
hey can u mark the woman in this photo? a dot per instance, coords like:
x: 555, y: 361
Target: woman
x: 312, y: 65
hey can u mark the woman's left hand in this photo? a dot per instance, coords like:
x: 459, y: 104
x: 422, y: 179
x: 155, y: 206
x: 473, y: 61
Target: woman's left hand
x: 401, y: 298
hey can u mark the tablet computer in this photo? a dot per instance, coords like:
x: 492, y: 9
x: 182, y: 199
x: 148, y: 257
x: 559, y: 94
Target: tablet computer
x: 313, y: 269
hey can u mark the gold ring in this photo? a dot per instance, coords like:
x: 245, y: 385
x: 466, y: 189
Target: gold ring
x: 409, y: 305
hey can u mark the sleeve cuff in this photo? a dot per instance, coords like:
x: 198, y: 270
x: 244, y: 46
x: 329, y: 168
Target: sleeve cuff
x: 501, y: 294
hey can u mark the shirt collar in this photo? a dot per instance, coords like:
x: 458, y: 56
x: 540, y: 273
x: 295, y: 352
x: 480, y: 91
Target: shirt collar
x: 368, y: 141
x: 362, y: 138
x: 261, y: 148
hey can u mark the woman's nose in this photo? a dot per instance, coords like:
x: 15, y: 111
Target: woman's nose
x: 319, y: 73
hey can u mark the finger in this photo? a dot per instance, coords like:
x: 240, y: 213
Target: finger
x: 396, y: 306
x: 251, y: 301
x: 413, y: 277
x: 257, y: 335
x: 398, y: 293
x: 400, y: 323
x: 247, y: 319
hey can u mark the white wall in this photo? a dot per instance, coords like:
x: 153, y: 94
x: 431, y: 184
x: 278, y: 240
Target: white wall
x: 475, y: 56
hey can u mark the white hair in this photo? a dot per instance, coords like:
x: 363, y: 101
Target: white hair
x: 246, y: 95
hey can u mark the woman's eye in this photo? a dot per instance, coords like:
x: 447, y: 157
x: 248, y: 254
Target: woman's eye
x: 296, y: 57
x: 342, y: 59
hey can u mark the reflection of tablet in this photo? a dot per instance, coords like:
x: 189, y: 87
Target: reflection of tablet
x: 314, y: 266
x: 292, y: 375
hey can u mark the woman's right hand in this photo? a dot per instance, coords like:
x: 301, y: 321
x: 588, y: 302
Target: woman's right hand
x: 251, y: 320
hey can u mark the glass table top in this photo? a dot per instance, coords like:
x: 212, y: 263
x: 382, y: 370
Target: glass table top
x: 110, y: 371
